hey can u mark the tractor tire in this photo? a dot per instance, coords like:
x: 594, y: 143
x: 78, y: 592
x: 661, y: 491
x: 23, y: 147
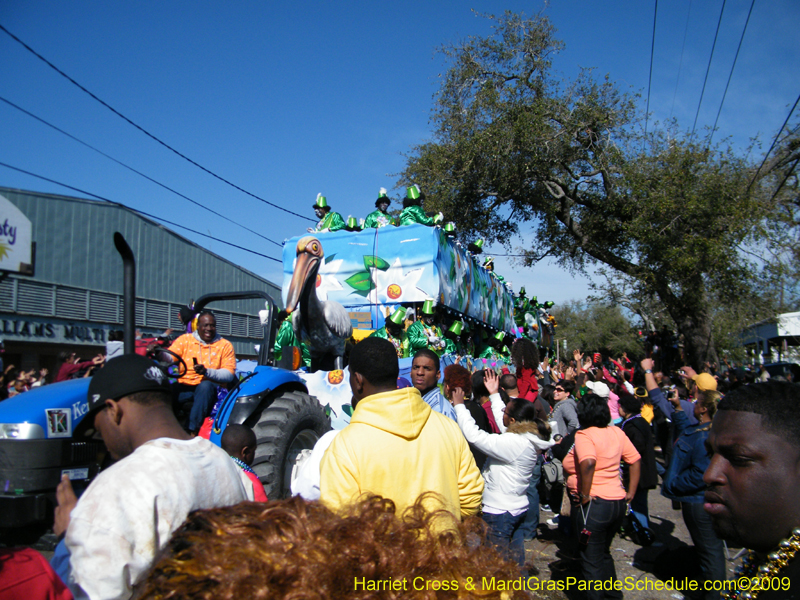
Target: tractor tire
x: 292, y: 422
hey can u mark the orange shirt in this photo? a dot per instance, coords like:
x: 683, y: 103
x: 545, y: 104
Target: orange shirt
x: 217, y: 355
x: 606, y: 445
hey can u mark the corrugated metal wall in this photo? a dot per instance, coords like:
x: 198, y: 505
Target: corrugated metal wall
x: 74, y: 247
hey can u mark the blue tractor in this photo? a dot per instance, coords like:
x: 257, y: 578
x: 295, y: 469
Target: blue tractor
x: 37, y: 446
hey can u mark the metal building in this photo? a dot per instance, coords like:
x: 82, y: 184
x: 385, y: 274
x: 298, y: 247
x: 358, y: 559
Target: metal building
x: 74, y: 297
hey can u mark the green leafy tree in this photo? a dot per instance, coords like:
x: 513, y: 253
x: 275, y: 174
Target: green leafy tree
x: 596, y: 326
x: 565, y: 164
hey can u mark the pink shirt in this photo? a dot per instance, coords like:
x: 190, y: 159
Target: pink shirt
x: 607, y: 446
x: 613, y: 405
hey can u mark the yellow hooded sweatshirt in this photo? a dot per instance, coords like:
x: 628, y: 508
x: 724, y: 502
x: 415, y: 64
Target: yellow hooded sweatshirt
x: 397, y: 447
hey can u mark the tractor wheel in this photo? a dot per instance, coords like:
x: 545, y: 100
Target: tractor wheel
x: 292, y: 422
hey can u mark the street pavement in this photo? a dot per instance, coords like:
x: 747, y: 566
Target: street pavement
x: 553, y: 557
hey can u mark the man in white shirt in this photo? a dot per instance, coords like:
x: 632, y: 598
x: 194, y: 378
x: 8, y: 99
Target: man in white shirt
x: 131, y: 509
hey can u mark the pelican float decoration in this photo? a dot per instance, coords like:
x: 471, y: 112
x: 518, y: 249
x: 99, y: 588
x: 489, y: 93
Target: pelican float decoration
x: 324, y: 326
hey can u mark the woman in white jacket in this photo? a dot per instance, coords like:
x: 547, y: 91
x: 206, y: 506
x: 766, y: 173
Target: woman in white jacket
x: 511, y: 457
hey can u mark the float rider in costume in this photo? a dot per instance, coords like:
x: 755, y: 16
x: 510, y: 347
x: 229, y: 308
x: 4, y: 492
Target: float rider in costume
x: 452, y: 339
x: 475, y: 248
x: 467, y: 343
x: 424, y: 333
x: 412, y: 209
x: 488, y: 346
x: 380, y: 217
x: 286, y: 338
x: 352, y: 224
x: 521, y: 306
x: 488, y: 264
x: 501, y: 350
x: 393, y: 331
x: 328, y: 220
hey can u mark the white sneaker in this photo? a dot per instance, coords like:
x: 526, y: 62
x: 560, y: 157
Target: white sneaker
x: 553, y: 522
x: 546, y: 508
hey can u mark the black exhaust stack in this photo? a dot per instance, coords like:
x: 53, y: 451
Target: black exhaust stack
x: 128, y: 293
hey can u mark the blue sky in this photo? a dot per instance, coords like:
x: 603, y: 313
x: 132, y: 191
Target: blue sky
x: 290, y: 99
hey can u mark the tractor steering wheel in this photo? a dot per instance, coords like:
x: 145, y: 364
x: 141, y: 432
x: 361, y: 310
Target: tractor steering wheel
x: 178, y: 363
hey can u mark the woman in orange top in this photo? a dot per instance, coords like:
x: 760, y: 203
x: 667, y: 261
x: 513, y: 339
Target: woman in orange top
x: 598, y: 496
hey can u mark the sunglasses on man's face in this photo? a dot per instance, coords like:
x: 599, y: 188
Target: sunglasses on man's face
x: 560, y: 389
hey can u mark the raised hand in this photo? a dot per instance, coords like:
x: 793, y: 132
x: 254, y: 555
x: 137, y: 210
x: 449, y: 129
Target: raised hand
x: 457, y: 396
x: 491, y: 381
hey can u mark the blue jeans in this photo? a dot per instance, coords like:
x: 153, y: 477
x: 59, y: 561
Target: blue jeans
x: 709, y: 546
x: 639, y: 507
x: 603, y: 519
x: 204, y: 396
x: 505, y: 532
x: 531, y: 524
x: 60, y: 562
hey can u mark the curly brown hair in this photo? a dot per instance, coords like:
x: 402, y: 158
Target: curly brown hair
x: 525, y: 354
x: 297, y: 549
x: 456, y: 376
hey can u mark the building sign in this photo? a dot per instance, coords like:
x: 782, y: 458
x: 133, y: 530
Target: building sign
x: 56, y: 331
x: 16, y: 248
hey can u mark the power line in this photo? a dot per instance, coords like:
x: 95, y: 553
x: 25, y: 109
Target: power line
x: 69, y: 135
x: 680, y: 63
x: 788, y: 174
x: 774, y: 141
x: 80, y: 191
x: 650, y: 77
x: 730, y: 75
x: 708, y: 68
x: 143, y: 130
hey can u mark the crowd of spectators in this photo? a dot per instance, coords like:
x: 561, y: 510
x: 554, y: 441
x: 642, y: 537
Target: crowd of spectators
x: 425, y: 463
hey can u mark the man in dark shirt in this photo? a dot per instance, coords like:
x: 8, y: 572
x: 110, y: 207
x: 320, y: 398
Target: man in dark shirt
x: 752, y: 480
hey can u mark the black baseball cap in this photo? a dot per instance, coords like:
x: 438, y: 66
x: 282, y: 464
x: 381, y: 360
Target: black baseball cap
x: 122, y: 376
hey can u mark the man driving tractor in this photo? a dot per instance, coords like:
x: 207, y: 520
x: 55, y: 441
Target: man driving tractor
x: 210, y: 361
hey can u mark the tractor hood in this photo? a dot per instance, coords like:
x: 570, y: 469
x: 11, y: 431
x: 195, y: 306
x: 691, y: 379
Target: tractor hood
x: 56, y: 408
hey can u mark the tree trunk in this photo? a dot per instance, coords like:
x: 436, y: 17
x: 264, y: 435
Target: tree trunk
x: 698, y: 341
x: 691, y: 316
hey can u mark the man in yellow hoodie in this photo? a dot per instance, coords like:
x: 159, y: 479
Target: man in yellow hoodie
x: 395, y: 445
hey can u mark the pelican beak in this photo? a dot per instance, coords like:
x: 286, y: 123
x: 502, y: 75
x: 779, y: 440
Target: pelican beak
x: 304, y: 266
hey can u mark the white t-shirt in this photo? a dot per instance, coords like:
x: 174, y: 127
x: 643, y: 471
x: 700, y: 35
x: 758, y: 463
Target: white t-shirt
x: 131, y: 509
x: 306, y: 476
x: 114, y: 349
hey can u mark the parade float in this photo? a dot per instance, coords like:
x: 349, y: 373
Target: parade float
x: 372, y: 272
